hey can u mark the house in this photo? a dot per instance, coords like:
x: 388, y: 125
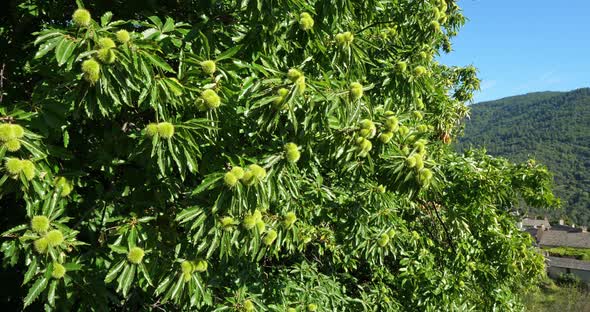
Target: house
x: 557, y: 266
x: 557, y: 235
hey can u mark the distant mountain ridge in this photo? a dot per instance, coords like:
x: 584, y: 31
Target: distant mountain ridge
x: 551, y: 127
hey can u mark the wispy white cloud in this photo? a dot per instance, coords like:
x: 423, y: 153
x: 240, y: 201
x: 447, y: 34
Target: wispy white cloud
x: 488, y: 84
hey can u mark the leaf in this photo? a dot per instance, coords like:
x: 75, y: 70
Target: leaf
x: 64, y: 51
x: 169, y: 26
x: 51, y: 293
x: 207, y: 183
x: 46, y: 47
x: 188, y: 214
x: 128, y: 280
x: 16, y: 229
x: 35, y: 290
x: 156, y: 20
x: 228, y: 53
x: 106, y: 18
x: 158, y: 61
x: 30, y: 272
x: 113, y: 271
x: 146, y: 275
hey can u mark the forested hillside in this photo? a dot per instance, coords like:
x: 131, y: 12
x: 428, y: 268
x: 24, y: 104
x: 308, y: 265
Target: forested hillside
x: 551, y: 127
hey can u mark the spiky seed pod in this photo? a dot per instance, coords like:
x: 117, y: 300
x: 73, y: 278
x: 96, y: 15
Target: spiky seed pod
x: 12, y: 145
x: 403, y: 130
x: 419, y: 71
x: 423, y: 56
x: 151, y: 129
x: 304, y: 15
x: 300, y: 84
x: 54, y: 238
x: 312, y: 307
x: 248, y: 305
x: 290, y: 146
x: 123, y: 36
x: 230, y: 179
x: 283, y: 92
x: 293, y: 156
x: 391, y: 233
x: 422, y: 128
x: 238, y: 172
x: 290, y: 218
x: 166, y: 130
x: 420, y: 145
x: 17, y: 131
x: 405, y: 150
x: 392, y: 124
x: 135, y: 255
x: 209, y: 67
x: 212, y: 100
x: 385, y: 137
x: 306, y: 21
x: 411, y: 161
x: 348, y: 37
x: 356, y: 90
x: 91, y: 70
x: 419, y: 162
x: 81, y: 17
x: 257, y: 172
x: 340, y: 39
x: 257, y: 215
x: 64, y: 185
x: 227, y: 221
x: 13, y: 165
x: 40, y: 224
x: 106, y: 56
x: 29, y: 169
x: 201, y: 266
x: 366, y: 124
x: 366, y: 145
x: 6, y: 132
x: 424, y: 176
x: 383, y: 240
x: 270, y: 237
x: 294, y: 74
x: 248, y: 178
x: 106, y: 43
x: 380, y: 189
x: 40, y: 245
x: 187, y: 267
x: 401, y: 66
x: 368, y: 133
x: 419, y: 103
x: 186, y: 277
x: 58, y: 270
x: 249, y: 222
x: 435, y: 26
x: 260, y: 226
x: 291, y: 310
x: 417, y: 115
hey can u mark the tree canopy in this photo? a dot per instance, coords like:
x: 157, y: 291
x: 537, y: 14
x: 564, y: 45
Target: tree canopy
x: 278, y: 155
x: 551, y: 127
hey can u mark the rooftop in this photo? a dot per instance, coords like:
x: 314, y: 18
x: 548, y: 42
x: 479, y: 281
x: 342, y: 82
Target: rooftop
x: 568, y: 263
x: 564, y: 238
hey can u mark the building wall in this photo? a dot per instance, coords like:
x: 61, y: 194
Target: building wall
x: 555, y: 272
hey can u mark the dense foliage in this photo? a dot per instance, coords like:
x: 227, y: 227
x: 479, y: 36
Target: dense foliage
x: 278, y: 155
x: 550, y: 127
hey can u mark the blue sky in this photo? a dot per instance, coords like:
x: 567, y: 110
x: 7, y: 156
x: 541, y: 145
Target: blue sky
x: 522, y: 46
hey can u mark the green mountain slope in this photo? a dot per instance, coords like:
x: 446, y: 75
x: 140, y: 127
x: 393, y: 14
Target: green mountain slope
x: 551, y: 127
